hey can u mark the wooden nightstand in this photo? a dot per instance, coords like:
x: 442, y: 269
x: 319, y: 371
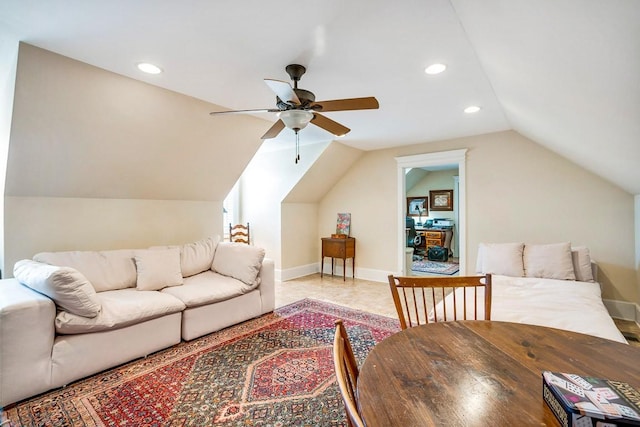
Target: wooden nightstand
x: 339, y: 248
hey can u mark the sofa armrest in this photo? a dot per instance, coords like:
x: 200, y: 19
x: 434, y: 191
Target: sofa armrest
x: 267, y: 285
x: 26, y: 341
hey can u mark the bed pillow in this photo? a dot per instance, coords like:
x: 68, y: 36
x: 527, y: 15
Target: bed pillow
x: 66, y: 286
x: 158, y: 268
x: 238, y: 260
x: 501, y: 258
x: 582, y: 264
x: 551, y: 261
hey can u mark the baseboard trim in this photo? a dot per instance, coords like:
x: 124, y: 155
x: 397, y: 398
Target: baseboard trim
x: 295, y: 272
x: 304, y: 270
x: 623, y: 310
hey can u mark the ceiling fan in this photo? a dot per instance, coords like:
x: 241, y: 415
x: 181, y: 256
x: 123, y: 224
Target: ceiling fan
x: 296, y: 107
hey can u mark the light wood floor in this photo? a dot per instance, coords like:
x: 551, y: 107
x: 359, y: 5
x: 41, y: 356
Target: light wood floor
x: 373, y: 297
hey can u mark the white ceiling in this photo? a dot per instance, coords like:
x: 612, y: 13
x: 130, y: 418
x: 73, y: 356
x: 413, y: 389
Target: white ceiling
x: 564, y: 73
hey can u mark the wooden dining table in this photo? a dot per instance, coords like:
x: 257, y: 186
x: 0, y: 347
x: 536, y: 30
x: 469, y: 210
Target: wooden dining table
x: 480, y: 373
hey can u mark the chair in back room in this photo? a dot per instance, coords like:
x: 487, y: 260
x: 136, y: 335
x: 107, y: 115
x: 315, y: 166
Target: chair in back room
x: 239, y: 233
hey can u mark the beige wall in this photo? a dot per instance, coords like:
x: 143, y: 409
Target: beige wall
x: 516, y: 191
x: 304, y: 248
x: 36, y: 224
x: 98, y: 160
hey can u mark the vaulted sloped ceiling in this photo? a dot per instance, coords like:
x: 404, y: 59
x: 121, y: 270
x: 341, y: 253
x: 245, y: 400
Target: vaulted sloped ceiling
x: 563, y: 73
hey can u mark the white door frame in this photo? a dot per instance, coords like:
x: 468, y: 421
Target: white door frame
x: 425, y: 160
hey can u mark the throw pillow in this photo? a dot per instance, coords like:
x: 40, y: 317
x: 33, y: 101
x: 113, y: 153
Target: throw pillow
x: 502, y: 258
x: 67, y: 287
x: 238, y: 260
x: 552, y: 261
x: 582, y: 264
x: 158, y: 269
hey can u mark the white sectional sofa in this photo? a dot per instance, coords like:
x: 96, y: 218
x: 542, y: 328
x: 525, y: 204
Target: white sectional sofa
x: 67, y: 315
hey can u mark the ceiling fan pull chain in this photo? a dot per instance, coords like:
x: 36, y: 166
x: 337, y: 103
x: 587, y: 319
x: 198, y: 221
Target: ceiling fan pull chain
x: 297, y: 147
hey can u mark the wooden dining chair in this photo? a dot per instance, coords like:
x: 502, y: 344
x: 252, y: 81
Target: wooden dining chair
x: 420, y: 299
x: 239, y: 233
x: 347, y: 372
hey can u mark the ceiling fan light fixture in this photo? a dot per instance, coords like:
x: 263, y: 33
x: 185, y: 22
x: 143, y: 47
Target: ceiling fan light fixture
x: 295, y: 119
x: 435, y: 69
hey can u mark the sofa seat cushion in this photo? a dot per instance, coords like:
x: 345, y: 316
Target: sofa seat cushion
x: 206, y: 288
x: 120, y: 308
x: 106, y: 270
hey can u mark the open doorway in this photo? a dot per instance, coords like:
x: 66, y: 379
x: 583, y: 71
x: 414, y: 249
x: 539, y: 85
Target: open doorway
x: 412, y: 183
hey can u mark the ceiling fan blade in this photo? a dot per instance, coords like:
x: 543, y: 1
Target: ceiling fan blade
x: 369, y: 103
x: 273, y: 130
x: 329, y: 125
x: 283, y: 90
x: 260, y: 110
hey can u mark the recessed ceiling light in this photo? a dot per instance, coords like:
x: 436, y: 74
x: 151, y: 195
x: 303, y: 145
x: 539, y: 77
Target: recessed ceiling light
x: 472, y: 109
x: 149, y: 68
x: 435, y: 68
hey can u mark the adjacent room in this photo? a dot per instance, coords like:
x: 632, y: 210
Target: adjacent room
x: 242, y: 213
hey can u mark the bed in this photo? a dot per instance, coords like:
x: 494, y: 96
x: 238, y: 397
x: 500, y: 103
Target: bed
x: 550, y: 285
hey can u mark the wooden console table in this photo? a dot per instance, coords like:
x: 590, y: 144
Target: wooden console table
x: 339, y: 248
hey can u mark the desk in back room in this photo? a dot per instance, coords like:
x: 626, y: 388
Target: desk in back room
x: 344, y: 248
x: 435, y: 237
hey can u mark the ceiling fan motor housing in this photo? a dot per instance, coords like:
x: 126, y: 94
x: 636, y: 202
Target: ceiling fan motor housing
x: 295, y: 71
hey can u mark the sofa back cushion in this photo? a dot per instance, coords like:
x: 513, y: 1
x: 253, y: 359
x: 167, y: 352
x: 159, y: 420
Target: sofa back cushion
x: 106, y: 270
x: 195, y: 257
x: 66, y: 286
x: 238, y: 260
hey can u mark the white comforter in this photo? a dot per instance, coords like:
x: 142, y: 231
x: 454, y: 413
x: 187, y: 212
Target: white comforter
x: 563, y: 304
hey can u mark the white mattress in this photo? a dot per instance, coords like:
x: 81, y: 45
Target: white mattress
x: 563, y: 304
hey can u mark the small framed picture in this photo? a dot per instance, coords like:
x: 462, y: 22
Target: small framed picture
x: 417, y: 206
x: 441, y: 200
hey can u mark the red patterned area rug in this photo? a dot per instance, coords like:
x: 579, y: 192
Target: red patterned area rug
x: 276, y: 370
